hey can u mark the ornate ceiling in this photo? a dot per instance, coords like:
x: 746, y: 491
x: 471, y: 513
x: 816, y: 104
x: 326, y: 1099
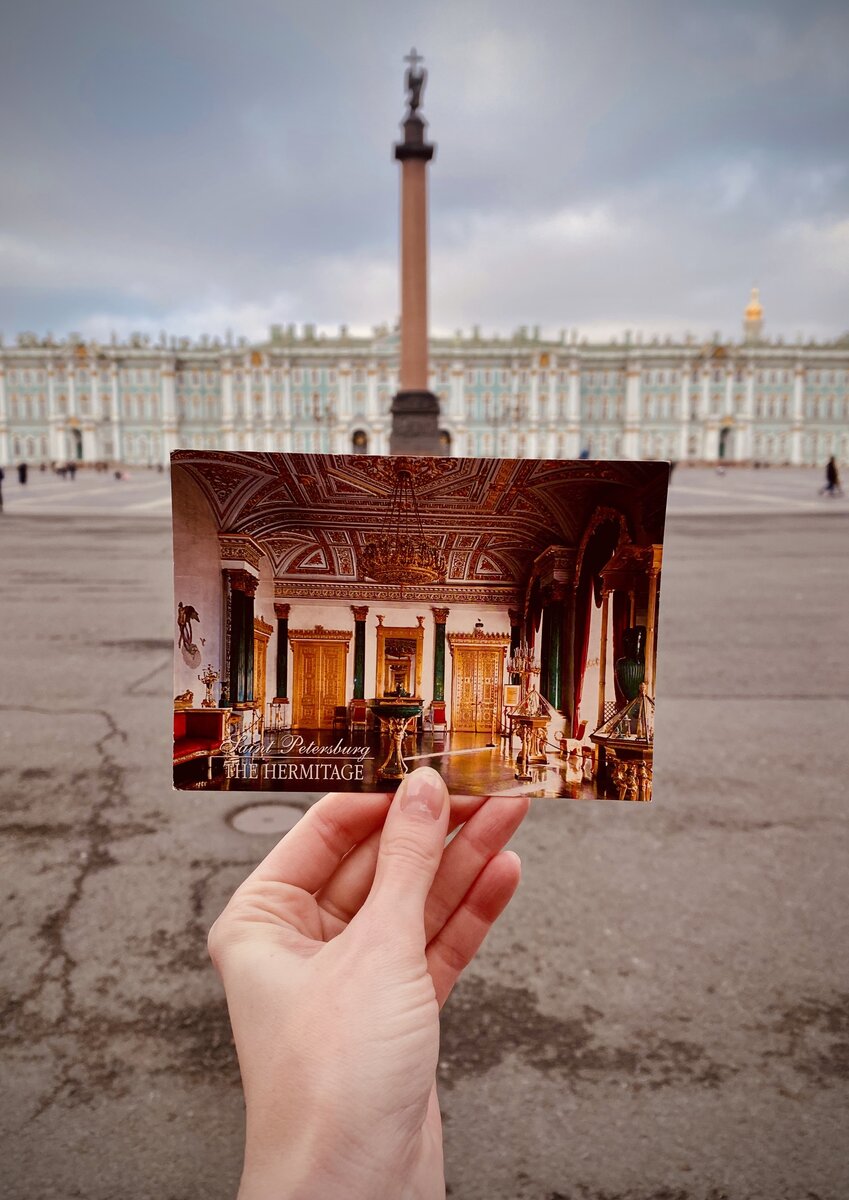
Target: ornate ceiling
x: 492, y: 517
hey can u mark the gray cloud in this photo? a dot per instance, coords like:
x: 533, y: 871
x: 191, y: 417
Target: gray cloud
x: 194, y: 166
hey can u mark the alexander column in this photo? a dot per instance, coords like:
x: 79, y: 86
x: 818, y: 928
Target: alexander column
x: 415, y: 409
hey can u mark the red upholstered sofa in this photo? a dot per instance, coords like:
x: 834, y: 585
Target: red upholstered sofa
x: 198, y: 734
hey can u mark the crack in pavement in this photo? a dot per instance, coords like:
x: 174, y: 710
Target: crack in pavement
x: 58, y: 962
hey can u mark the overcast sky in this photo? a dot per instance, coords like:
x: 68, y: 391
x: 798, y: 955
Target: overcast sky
x: 194, y: 165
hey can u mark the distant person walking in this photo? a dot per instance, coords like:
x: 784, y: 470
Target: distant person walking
x: 2, y: 477
x: 23, y: 470
x: 72, y: 468
x: 832, y: 480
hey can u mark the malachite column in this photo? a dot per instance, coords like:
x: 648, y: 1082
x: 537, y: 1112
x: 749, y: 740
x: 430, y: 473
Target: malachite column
x: 240, y: 634
x: 551, y: 650
x: 281, y: 612
x: 515, y: 637
x: 440, y: 616
x: 360, y: 614
x: 544, y: 638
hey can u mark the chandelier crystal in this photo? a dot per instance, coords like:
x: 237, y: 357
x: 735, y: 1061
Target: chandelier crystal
x: 401, y: 553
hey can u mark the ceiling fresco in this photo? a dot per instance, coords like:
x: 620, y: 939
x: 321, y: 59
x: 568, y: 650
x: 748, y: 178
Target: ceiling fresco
x: 492, y: 517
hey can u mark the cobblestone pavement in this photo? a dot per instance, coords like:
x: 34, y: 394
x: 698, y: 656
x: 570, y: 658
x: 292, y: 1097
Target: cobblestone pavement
x: 663, y: 1013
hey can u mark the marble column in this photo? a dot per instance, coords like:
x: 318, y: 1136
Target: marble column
x: 281, y: 612
x: 360, y: 613
x: 440, y: 616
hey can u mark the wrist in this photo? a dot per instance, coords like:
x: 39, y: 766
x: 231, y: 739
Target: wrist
x: 313, y: 1161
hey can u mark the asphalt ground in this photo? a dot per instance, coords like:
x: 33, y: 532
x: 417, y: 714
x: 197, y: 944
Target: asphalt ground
x: 661, y: 1014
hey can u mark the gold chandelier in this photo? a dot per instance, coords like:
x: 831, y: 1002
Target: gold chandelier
x: 401, y: 553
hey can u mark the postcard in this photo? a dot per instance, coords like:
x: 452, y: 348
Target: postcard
x: 340, y: 619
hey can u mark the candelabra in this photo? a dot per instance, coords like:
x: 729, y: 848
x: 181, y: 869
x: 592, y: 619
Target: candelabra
x: 522, y: 663
x: 208, y: 678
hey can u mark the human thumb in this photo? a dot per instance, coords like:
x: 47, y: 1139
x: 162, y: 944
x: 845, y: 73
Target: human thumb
x: 411, y: 846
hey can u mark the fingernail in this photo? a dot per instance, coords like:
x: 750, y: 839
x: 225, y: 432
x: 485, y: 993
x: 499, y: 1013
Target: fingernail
x: 422, y: 792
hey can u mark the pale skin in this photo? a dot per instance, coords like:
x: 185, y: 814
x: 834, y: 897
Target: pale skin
x: 336, y: 956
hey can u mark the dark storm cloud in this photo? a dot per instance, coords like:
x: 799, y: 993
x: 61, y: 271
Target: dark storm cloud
x: 196, y: 166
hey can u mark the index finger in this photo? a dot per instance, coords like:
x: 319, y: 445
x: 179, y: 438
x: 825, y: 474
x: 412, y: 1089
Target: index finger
x: 312, y: 850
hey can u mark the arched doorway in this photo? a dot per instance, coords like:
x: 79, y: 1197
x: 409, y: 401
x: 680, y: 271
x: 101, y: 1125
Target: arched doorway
x: 359, y: 442
x: 445, y: 442
x: 76, y: 444
x: 726, y: 439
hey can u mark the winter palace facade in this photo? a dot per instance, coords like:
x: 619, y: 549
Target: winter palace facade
x: 755, y: 400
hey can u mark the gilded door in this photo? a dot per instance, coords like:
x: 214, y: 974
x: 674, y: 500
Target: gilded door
x: 260, y: 655
x: 319, y: 683
x: 476, y: 705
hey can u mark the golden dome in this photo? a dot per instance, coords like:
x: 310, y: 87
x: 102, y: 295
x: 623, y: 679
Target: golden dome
x: 754, y: 311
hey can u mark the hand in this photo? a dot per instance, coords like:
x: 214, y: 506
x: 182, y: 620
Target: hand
x: 336, y: 956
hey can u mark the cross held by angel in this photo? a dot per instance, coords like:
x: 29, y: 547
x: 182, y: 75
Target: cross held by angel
x: 415, y: 79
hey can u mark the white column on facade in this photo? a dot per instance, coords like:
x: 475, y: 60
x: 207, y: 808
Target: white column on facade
x: 798, y: 413
x: 631, y: 431
x: 684, y: 426
x: 744, y: 421
x: 287, y: 399
x: 267, y: 408
x: 70, y: 374
x: 573, y: 409
x: 55, y: 448
x: 729, y: 416
x: 248, y: 402
x: 168, y: 400
x: 458, y: 408
x: 88, y: 417
x: 345, y: 392
x: 5, y: 457
x: 533, y: 413
x: 709, y: 438
x: 228, y: 434
x: 115, y: 414
x: 71, y: 421
x: 371, y: 394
